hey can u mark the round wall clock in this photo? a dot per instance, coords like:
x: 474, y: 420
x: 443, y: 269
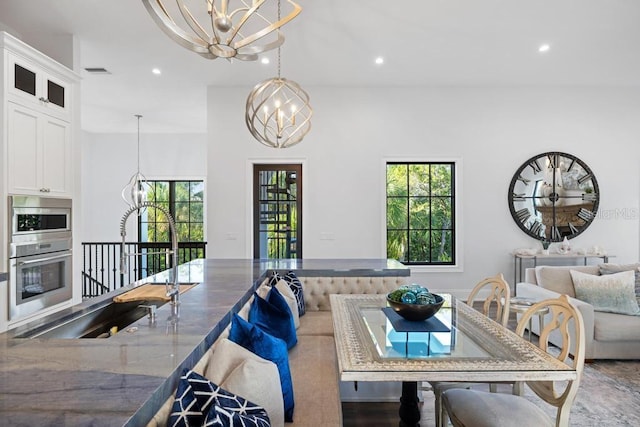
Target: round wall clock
x: 553, y: 195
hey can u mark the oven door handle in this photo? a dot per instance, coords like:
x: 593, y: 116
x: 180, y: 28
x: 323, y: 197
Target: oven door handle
x: 51, y: 258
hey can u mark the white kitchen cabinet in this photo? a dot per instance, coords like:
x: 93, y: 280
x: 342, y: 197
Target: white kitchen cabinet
x: 32, y: 85
x: 39, y: 153
x: 39, y: 124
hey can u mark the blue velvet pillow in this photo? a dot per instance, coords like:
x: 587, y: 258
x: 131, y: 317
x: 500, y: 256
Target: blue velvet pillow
x: 296, y: 286
x: 199, y: 402
x: 273, y: 316
x: 268, y: 347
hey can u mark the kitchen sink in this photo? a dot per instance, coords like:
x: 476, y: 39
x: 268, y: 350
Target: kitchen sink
x: 94, y: 323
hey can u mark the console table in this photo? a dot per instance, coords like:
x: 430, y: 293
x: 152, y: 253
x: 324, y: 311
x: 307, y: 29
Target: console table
x: 518, y: 271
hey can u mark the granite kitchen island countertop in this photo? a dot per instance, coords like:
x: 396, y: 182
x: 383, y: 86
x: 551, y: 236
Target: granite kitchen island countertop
x: 124, y: 379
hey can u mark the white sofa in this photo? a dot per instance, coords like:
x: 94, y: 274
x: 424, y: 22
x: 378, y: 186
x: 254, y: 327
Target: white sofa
x: 607, y: 335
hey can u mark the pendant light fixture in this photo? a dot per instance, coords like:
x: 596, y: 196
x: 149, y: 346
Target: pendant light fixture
x: 215, y: 30
x: 137, y: 188
x: 278, y: 113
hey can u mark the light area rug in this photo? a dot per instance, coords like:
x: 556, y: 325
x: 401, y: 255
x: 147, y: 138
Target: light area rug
x: 609, y: 395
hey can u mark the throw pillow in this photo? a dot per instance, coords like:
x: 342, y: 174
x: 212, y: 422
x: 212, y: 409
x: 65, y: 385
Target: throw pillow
x: 240, y: 371
x: 278, y: 282
x: 558, y: 279
x: 296, y: 286
x: 617, y: 268
x: 272, y: 315
x: 268, y: 347
x: 274, y: 279
x: 612, y: 293
x: 239, y: 413
x: 196, y: 397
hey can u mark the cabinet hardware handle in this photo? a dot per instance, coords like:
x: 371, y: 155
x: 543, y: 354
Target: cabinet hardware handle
x: 45, y: 190
x: 43, y: 99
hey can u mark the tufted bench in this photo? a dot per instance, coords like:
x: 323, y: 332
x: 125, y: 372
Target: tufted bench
x: 313, y: 361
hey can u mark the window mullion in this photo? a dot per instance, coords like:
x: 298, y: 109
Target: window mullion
x: 408, y: 215
x: 430, y: 229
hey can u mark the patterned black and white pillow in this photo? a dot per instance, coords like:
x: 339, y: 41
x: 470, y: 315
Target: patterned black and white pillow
x: 199, y: 401
x: 296, y: 286
x: 220, y: 416
x: 274, y: 279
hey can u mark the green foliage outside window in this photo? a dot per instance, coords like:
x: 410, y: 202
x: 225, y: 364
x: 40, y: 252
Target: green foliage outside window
x: 420, y: 213
x: 184, y: 200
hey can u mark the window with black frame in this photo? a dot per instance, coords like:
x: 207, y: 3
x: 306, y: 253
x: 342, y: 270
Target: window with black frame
x: 420, y: 212
x: 185, y: 202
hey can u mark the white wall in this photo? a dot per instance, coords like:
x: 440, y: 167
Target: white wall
x: 109, y: 161
x: 492, y: 130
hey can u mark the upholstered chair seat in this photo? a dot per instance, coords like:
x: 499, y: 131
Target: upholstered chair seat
x: 496, y: 293
x: 472, y: 408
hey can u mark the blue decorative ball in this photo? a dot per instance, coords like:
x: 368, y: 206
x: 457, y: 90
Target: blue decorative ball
x: 425, y: 297
x: 409, y: 297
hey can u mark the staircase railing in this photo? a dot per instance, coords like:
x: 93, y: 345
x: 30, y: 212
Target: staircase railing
x: 101, y: 263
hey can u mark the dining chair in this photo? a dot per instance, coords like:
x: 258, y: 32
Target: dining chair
x: 496, y: 291
x: 466, y: 408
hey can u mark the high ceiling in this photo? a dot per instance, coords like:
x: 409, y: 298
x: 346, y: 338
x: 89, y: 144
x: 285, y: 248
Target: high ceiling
x: 334, y: 43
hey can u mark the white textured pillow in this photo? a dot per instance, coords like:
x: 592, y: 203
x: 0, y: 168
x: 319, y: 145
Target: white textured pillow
x: 613, y: 293
x: 236, y: 369
x: 289, y: 296
x: 617, y: 268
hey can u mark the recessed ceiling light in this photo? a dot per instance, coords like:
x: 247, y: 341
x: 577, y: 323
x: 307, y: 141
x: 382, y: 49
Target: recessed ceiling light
x: 265, y: 60
x: 544, y: 48
x: 379, y: 60
x: 156, y: 71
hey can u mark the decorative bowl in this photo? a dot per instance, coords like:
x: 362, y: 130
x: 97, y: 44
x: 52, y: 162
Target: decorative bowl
x: 416, y: 312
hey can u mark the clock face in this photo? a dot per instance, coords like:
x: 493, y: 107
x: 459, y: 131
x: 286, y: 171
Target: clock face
x: 553, y: 195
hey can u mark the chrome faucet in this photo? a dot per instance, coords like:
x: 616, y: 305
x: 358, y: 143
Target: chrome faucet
x: 173, y: 290
x: 151, y: 310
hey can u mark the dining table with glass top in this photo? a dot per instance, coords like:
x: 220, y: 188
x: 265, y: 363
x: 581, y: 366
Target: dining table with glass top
x: 459, y: 343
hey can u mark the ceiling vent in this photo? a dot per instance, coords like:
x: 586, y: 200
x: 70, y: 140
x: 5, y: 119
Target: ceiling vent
x: 97, y: 70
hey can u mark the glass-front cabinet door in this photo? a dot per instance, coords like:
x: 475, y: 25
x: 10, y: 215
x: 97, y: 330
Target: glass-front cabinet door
x: 37, y: 88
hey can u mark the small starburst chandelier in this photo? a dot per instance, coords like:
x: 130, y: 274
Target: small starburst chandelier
x: 213, y: 29
x: 137, y: 188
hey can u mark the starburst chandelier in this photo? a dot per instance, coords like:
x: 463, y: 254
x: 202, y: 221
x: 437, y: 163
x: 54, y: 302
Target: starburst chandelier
x: 136, y: 190
x: 214, y: 29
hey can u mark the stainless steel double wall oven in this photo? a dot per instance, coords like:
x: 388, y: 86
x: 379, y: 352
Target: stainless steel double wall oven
x: 40, y: 254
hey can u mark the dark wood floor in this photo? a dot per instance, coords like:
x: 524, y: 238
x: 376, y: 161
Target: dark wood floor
x: 382, y: 414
